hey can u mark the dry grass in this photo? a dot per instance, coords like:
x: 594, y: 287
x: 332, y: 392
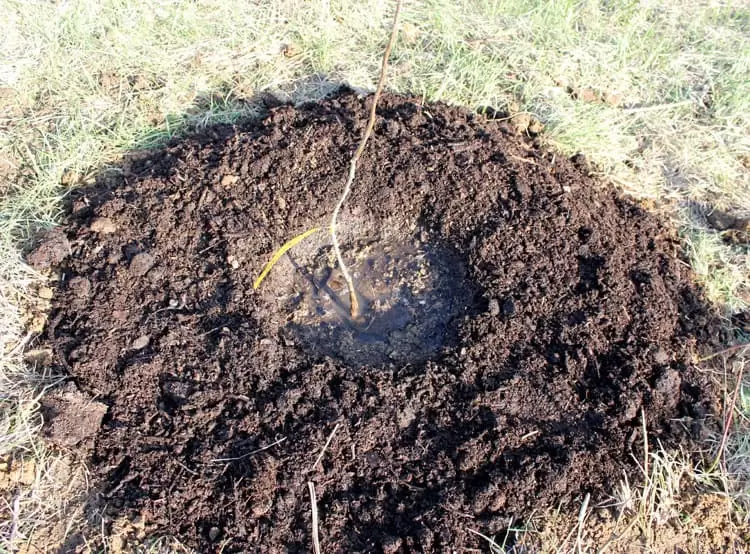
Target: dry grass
x: 656, y: 93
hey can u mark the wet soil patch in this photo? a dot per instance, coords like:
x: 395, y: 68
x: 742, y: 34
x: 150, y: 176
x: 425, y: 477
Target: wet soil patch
x: 521, y: 318
x: 410, y: 299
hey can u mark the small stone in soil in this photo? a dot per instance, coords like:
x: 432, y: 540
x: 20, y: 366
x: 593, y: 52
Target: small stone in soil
x: 142, y: 263
x: 140, y: 343
x: 104, y: 226
x: 46, y: 293
x: 494, y: 307
x: 229, y: 180
x: 661, y: 357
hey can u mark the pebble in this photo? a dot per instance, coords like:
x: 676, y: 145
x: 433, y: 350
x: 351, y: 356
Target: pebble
x: 661, y: 357
x: 46, y: 293
x: 140, y: 343
x: 142, y: 263
x: 494, y: 307
x: 103, y: 225
x: 229, y: 180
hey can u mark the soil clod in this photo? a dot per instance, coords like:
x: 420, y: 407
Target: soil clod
x: 71, y: 418
x: 51, y: 249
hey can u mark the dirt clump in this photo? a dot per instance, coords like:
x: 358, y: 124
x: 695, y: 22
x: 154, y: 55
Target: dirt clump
x: 52, y: 248
x: 71, y: 418
x: 545, y: 314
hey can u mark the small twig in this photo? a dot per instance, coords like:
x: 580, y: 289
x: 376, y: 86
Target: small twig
x: 582, y: 519
x: 725, y: 351
x: 21, y: 345
x: 314, y: 510
x: 325, y: 447
x: 210, y: 246
x: 645, y: 444
x: 280, y: 252
x: 728, y: 419
x: 657, y: 107
x: 354, y: 302
x: 616, y: 538
x: 210, y: 331
x: 520, y: 159
x: 186, y: 468
x: 490, y: 541
x: 15, y: 510
x: 220, y: 460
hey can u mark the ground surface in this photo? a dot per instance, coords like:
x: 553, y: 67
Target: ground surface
x: 564, y: 315
x: 656, y: 93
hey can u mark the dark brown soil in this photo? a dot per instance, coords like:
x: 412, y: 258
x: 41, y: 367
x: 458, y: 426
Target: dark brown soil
x: 520, y: 317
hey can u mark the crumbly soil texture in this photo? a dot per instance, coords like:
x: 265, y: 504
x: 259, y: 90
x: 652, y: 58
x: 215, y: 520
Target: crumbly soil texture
x: 518, y: 321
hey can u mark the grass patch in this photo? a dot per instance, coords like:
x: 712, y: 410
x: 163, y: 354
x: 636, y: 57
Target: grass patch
x: 656, y: 93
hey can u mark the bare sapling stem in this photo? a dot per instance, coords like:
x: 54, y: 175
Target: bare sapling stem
x: 354, y: 301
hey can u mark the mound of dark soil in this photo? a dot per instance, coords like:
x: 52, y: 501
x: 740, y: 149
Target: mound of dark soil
x: 519, y: 318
